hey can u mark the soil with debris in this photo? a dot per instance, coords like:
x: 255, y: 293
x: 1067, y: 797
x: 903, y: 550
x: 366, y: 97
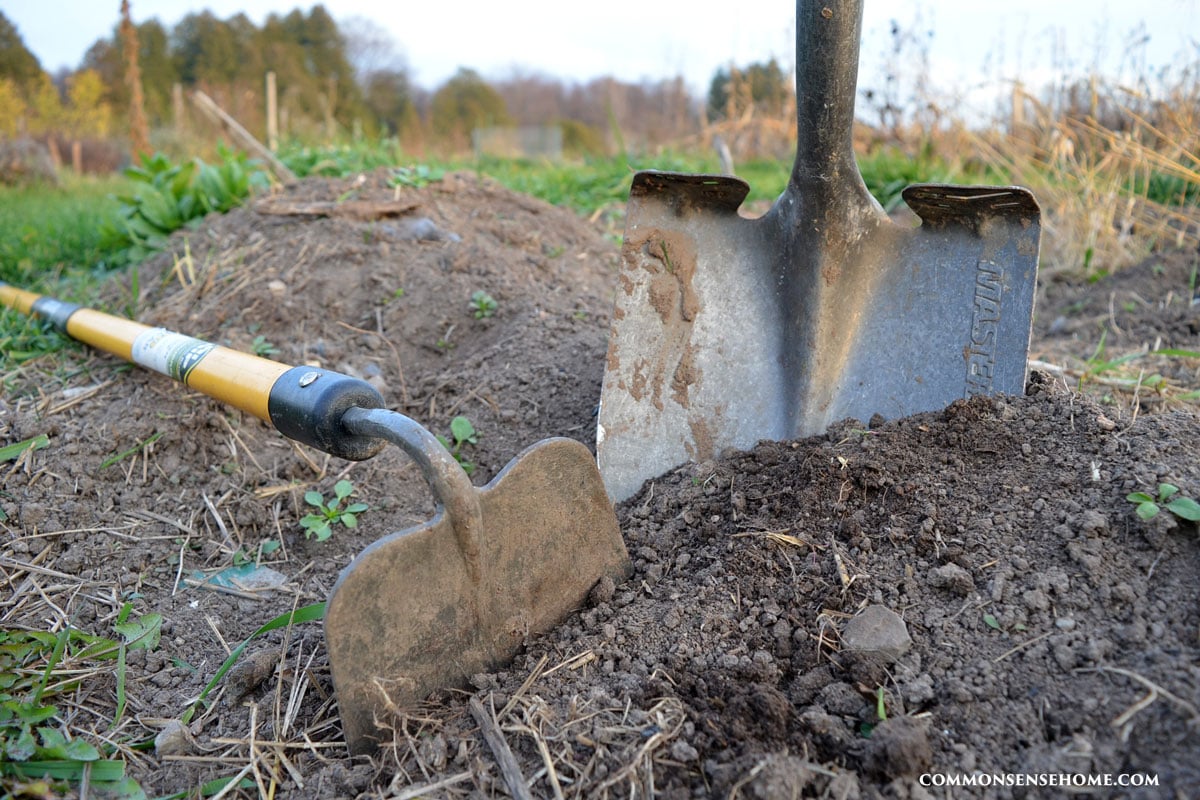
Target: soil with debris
x: 965, y: 591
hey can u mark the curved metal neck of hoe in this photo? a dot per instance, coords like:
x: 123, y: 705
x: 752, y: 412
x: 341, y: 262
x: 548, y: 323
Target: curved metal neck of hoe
x: 450, y: 485
x: 827, y: 44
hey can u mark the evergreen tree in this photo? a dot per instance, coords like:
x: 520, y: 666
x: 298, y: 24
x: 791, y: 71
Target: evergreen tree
x: 16, y: 62
x: 205, y: 50
x: 761, y: 86
x: 463, y: 103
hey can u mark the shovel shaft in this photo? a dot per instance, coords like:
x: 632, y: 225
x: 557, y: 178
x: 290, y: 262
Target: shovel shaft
x: 827, y: 39
x: 303, y: 403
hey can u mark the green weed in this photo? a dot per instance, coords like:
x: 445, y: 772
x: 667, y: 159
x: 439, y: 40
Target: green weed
x: 266, y: 547
x: 463, y: 433
x: 336, y: 161
x: 137, y: 448
x: 1147, y: 506
x: 167, y: 196
x: 415, y: 177
x: 15, y: 450
x: 329, y: 512
x: 36, y: 666
x: 262, y: 348
x: 483, y: 305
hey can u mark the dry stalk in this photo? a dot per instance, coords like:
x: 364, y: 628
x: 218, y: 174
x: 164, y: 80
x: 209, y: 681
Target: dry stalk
x: 510, y: 770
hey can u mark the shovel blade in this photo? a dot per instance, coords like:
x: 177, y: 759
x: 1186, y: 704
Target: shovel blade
x: 727, y: 330
x: 409, y: 616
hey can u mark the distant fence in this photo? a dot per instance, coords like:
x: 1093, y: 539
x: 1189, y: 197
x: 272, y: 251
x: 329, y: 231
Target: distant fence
x: 544, y: 141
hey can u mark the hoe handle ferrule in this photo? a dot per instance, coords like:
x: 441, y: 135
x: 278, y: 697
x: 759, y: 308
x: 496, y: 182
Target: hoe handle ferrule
x: 307, y: 404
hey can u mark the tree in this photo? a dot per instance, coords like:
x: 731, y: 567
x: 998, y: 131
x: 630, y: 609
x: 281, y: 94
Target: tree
x: 382, y: 72
x: 158, y: 69
x: 12, y: 108
x: 464, y: 103
x: 371, y: 49
x: 205, y: 50
x: 16, y: 62
x: 389, y: 96
x: 88, y: 114
x: 761, y: 87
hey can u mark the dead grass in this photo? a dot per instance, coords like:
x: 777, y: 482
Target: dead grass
x: 525, y: 746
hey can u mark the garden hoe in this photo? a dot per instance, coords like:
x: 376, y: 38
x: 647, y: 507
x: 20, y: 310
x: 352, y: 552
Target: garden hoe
x: 429, y: 606
x: 729, y: 330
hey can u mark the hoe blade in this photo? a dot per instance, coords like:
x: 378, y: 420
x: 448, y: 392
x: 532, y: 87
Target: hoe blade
x: 728, y: 330
x: 427, y: 607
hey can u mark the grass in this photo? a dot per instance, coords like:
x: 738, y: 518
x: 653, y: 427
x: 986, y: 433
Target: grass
x: 51, y: 242
x: 37, y: 669
x: 49, y: 232
x: 1109, y: 196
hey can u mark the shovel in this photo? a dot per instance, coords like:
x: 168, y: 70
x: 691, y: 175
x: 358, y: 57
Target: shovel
x: 429, y: 606
x: 728, y: 331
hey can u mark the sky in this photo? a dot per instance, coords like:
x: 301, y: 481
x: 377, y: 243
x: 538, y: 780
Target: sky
x: 976, y: 49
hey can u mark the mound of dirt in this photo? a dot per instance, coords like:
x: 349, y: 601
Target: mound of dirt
x: 959, y: 591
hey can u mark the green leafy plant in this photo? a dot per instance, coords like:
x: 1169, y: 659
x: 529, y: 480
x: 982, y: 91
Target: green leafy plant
x: 265, y: 547
x: 1148, y: 506
x: 483, y: 304
x: 37, y: 665
x: 416, y: 176
x: 320, y: 524
x: 168, y: 196
x: 463, y: 433
x: 867, y: 728
x: 262, y: 348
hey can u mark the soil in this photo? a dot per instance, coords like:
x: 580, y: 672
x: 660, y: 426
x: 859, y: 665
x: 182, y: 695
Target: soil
x: 963, y: 591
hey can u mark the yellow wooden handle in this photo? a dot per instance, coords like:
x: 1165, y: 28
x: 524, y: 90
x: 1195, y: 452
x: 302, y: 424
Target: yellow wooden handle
x: 303, y: 403
x: 242, y: 380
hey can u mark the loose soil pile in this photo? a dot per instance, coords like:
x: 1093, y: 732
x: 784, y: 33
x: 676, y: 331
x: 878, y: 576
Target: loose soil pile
x: 1025, y: 620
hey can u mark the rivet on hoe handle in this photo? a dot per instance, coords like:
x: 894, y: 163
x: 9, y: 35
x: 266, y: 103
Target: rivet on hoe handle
x: 431, y: 605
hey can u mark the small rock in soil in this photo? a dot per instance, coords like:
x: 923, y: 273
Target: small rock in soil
x: 879, y: 631
x: 250, y: 671
x: 174, y: 740
x: 778, y: 776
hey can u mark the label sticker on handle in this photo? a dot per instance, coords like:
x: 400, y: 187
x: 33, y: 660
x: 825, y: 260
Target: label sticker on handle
x: 170, y: 353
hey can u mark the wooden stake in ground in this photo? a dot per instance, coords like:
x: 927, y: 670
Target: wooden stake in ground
x: 139, y: 131
x: 244, y: 137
